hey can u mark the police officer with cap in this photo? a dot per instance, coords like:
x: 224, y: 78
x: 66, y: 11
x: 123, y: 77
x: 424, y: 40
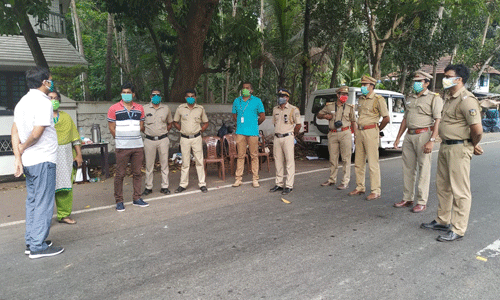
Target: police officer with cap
x: 157, y: 124
x: 286, y: 120
x: 460, y: 130
x: 342, y: 122
x: 422, y: 117
x: 371, y: 108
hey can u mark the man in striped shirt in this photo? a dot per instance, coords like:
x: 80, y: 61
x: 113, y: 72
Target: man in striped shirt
x: 126, y: 121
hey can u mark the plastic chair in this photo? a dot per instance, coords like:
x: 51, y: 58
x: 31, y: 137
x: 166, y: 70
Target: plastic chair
x: 231, y: 151
x: 262, y: 152
x: 212, y: 156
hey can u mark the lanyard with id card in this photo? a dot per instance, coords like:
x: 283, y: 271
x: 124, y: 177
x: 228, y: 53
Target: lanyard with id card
x: 242, y: 120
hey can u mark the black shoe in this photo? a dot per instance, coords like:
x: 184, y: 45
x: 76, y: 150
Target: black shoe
x: 276, y: 188
x: 204, y: 189
x: 165, y: 191
x: 147, y: 192
x: 180, y: 189
x: 286, y: 191
x: 435, y: 225
x: 450, y: 236
x: 50, y: 251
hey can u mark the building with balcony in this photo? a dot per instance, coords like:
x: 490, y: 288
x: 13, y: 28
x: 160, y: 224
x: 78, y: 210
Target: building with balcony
x: 16, y: 59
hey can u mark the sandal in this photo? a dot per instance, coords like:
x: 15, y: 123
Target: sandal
x: 67, y: 220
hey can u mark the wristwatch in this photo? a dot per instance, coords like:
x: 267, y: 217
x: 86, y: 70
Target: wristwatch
x: 432, y: 140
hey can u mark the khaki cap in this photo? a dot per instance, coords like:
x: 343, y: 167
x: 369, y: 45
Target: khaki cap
x: 368, y: 79
x: 420, y: 75
x: 343, y: 89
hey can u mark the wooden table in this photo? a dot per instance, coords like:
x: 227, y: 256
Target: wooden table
x: 104, y: 155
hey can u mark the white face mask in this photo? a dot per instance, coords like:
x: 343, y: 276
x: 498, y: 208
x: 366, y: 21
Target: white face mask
x: 448, y: 82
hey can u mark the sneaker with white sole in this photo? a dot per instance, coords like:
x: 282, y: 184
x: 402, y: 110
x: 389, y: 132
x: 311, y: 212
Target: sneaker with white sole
x: 120, y: 206
x: 140, y: 202
x: 27, y: 250
x: 50, y: 251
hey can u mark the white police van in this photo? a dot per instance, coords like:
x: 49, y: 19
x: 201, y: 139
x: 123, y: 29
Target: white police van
x: 316, y: 130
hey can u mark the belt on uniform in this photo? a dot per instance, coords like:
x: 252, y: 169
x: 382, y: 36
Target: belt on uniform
x: 156, y: 138
x: 191, y: 136
x: 367, y: 127
x: 282, y: 135
x: 418, y: 130
x: 341, y: 129
x: 454, y: 142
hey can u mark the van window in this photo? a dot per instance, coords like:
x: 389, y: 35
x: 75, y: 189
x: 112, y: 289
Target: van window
x: 398, y: 105
x: 320, y: 101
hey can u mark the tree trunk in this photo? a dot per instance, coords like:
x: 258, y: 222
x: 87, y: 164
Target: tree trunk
x: 337, y: 62
x: 30, y: 36
x: 306, y: 59
x: 79, y: 43
x: 377, y: 59
x: 434, y: 74
x: 109, y: 57
x: 190, y: 45
x: 402, y: 80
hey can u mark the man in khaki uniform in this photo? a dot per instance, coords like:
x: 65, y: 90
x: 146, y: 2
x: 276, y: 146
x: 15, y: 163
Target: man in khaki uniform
x: 342, y: 122
x: 191, y: 120
x: 157, y: 123
x: 460, y: 131
x: 370, y: 108
x: 286, y: 120
x: 422, y: 117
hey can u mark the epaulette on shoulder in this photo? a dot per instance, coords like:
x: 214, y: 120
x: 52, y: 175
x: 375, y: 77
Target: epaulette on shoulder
x: 328, y: 103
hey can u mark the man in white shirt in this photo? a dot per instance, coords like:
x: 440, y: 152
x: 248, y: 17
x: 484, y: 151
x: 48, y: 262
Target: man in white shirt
x: 34, y: 143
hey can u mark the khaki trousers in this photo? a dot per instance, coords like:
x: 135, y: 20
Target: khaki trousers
x: 150, y: 149
x: 196, y: 145
x: 284, y: 150
x: 416, y: 165
x: 340, y: 143
x: 453, y: 185
x: 241, y: 144
x: 367, y: 142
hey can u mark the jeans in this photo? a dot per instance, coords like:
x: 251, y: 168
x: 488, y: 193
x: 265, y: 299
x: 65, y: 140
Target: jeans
x: 41, y: 187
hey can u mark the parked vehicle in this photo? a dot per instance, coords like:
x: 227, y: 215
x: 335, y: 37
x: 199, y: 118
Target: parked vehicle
x: 316, y: 130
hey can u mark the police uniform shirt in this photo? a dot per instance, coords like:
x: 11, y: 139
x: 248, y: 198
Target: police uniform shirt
x: 371, y: 108
x: 156, y: 120
x: 285, y: 119
x: 460, y: 110
x: 422, y: 111
x: 190, y: 119
x: 343, y: 112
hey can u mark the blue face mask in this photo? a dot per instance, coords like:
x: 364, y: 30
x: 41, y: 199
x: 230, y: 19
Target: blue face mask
x: 127, y: 97
x: 156, y: 99
x: 364, y: 90
x: 190, y: 100
x: 51, y: 88
x: 418, y: 86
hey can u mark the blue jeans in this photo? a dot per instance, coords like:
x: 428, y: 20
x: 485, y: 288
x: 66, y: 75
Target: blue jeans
x: 41, y: 187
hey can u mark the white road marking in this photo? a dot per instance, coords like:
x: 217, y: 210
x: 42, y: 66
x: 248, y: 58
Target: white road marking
x: 491, y: 250
x: 210, y: 189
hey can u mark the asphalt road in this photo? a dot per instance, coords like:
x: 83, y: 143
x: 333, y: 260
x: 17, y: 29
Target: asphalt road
x: 246, y: 243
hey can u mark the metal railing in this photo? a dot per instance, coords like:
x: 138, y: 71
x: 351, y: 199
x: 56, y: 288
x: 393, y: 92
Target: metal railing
x: 54, y: 26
